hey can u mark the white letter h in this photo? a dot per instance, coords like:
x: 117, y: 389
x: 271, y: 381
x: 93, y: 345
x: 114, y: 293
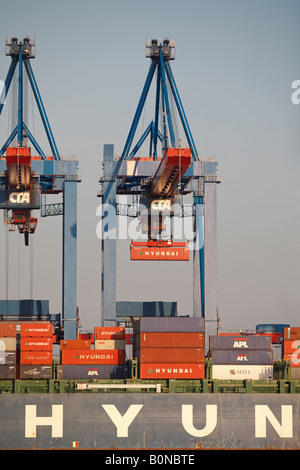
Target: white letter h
x: 32, y: 421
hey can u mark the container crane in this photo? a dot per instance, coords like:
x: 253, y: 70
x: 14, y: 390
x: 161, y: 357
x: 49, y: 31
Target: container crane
x: 158, y: 181
x: 27, y: 179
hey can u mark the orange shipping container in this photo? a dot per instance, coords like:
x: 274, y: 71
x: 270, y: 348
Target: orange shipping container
x: 8, y: 329
x: 169, y: 340
x: 36, y: 357
x: 36, y: 344
x: 107, y: 332
x: 289, y: 347
x: 160, y: 253
x: 75, y: 344
x: 172, y: 371
x: 82, y: 356
x: 170, y: 355
x: 291, y: 352
x: 291, y: 333
x: 36, y: 329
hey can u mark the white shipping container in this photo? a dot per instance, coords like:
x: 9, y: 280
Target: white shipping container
x: 110, y: 344
x: 236, y: 372
x: 128, y: 352
x: 8, y: 344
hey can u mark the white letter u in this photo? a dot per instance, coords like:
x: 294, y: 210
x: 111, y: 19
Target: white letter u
x: 211, y: 420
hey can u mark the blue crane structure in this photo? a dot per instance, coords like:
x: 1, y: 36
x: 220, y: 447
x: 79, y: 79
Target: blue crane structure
x: 26, y: 180
x: 157, y: 181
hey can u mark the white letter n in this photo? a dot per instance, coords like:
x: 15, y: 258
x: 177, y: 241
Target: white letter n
x: 262, y: 412
x: 32, y: 421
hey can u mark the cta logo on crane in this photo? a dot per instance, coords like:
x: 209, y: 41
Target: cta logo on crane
x: 20, y: 197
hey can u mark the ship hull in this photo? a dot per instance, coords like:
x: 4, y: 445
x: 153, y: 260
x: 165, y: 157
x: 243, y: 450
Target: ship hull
x: 149, y: 421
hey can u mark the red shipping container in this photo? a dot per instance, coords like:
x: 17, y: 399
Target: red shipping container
x: 291, y: 333
x: 36, y: 329
x: 75, y: 344
x: 36, y: 357
x: 170, y: 340
x: 8, y: 329
x: 107, y: 332
x: 83, y: 356
x: 170, y: 355
x: 172, y: 371
x: 36, y: 344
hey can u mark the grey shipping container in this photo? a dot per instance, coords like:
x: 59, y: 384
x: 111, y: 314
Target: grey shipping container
x: 146, y: 309
x: 240, y: 342
x: 97, y: 371
x: 227, y: 356
x: 24, y: 309
x: 168, y: 324
x: 35, y: 372
x: 10, y: 357
x: 7, y: 372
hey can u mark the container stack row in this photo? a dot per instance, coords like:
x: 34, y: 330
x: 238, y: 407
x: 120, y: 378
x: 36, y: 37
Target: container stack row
x: 169, y: 347
x: 8, y: 350
x: 106, y: 361
x: 241, y: 357
x: 291, y: 350
x: 36, y: 350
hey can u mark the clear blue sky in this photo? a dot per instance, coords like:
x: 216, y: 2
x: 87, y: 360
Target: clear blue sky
x: 235, y: 63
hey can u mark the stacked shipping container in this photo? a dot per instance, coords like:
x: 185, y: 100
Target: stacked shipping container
x: 291, y: 350
x: 241, y: 357
x: 8, y: 350
x: 36, y: 350
x: 106, y: 360
x: 169, y: 347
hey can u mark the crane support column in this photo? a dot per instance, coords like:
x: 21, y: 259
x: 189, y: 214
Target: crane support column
x: 198, y: 258
x: 69, y: 258
x: 210, y: 259
x: 109, y: 237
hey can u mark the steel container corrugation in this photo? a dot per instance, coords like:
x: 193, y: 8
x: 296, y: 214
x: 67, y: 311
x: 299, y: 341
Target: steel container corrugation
x: 110, y: 344
x: 8, y: 344
x: 227, y: 356
x: 8, y: 329
x: 36, y: 357
x: 96, y: 371
x: 169, y: 340
x: 75, y: 344
x: 240, y: 342
x: 36, y: 329
x: 36, y: 344
x: 107, y: 332
x: 72, y: 357
x: 169, y: 324
x: 172, y: 371
x: 291, y: 333
x: 7, y: 372
x: 36, y: 372
x: 170, y: 355
x: 241, y: 372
